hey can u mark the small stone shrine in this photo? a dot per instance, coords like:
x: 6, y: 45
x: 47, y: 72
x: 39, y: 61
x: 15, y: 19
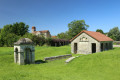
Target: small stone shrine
x: 24, y: 51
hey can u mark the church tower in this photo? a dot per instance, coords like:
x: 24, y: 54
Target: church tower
x: 33, y: 29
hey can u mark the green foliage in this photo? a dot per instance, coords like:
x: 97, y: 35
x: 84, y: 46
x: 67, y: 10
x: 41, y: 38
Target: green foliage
x: 113, y: 37
x: 1, y: 41
x: 114, y: 33
x: 38, y: 40
x: 17, y: 28
x: 101, y: 66
x: 11, y: 33
x: 64, y: 35
x: 28, y: 35
x: 0, y: 30
x: 100, y: 30
x: 76, y: 27
x: 48, y: 41
x: 20, y: 28
x: 9, y: 39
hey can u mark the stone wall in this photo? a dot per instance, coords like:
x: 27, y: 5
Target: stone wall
x: 84, y: 44
x: 21, y: 53
x: 57, y: 57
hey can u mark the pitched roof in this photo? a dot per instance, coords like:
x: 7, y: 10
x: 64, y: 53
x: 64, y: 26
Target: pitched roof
x: 54, y: 36
x: 24, y: 41
x: 44, y: 31
x: 96, y: 35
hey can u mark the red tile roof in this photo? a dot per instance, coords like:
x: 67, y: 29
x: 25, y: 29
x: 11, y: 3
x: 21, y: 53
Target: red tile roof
x: 44, y: 31
x: 96, y: 35
x: 54, y: 36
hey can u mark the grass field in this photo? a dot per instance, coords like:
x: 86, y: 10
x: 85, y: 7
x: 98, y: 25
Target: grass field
x: 99, y: 66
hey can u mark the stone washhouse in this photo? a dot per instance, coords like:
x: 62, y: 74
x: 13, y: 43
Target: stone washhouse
x: 87, y: 42
x: 24, y: 51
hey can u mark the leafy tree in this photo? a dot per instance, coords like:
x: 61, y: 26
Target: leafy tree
x: 38, y: 40
x: 17, y: 28
x: 1, y: 41
x: 28, y: 35
x: 64, y: 35
x: 114, y: 33
x: 100, y: 30
x: 48, y: 41
x: 11, y: 33
x: 9, y: 39
x: 0, y: 30
x: 61, y: 35
x: 76, y: 26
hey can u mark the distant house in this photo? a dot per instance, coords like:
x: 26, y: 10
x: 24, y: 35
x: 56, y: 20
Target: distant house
x: 87, y: 42
x: 44, y: 33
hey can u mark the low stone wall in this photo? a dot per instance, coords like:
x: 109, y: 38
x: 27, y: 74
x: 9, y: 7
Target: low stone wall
x: 57, y: 57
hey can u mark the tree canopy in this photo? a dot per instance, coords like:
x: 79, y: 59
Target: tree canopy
x: 114, y: 33
x: 12, y: 32
x: 100, y: 30
x: 63, y: 35
x: 76, y: 26
x: 17, y: 28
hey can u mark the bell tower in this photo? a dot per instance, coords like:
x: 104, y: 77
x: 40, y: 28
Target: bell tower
x: 33, y: 29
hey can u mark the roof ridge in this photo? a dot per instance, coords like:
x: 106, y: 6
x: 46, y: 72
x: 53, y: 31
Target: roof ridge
x: 96, y: 35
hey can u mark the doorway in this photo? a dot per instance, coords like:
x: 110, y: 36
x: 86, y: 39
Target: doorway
x: 93, y: 47
x: 16, y: 55
x: 106, y: 46
x: 102, y: 47
x: 28, y: 56
x: 75, y: 48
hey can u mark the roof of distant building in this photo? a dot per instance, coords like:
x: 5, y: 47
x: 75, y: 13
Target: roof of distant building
x: 54, y: 36
x: 44, y: 31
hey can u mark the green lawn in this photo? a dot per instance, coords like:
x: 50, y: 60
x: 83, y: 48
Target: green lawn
x: 98, y: 66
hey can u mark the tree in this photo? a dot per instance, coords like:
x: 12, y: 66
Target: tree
x: 1, y: 41
x: 76, y: 27
x: 64, y: 35
x: 114, y: 33
x: 9, y: 39
x: 100, y: 30
x: 38, y: 40
x: 17, y: 28
x: 0, y: 30
x: 20, y: 28
x: 28, y: 35
x: 11, y: 33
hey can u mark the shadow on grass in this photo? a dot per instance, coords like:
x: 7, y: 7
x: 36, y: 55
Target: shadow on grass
x: 40, y: 61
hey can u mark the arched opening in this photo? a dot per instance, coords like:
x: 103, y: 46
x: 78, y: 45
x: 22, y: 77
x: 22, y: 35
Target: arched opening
x: 27, y: 56
x: 16, y: 54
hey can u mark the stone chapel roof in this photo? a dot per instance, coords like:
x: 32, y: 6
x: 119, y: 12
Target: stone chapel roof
x: 24, y: 41
x: 96, y: 35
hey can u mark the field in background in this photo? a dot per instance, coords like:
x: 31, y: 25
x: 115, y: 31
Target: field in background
x: 99, y: 66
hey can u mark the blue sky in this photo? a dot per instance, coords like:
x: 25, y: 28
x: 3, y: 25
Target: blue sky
x: 54, y: 15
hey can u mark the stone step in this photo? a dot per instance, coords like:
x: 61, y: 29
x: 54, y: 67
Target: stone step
x: 69, y: 59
